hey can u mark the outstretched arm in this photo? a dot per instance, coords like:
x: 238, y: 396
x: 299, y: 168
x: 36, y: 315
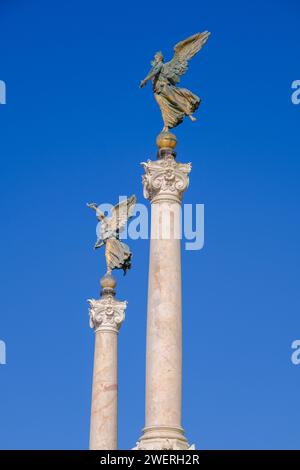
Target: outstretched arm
x: 92, y: 205
x: 150, y: 75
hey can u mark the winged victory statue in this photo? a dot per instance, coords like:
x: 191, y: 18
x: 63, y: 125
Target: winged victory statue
x: 175, y: 103
x: 117, y: 253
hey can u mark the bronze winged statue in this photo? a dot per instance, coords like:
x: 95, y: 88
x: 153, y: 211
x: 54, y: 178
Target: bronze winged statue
x: 175, y: 103
x: 117, y: 253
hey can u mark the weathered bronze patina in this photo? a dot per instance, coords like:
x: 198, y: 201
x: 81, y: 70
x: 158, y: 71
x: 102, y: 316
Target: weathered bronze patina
x: 175, y: 103
x: 117, y: 253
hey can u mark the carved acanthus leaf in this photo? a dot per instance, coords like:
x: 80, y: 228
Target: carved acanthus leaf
x: 106, y: 313
x: 165, y: 177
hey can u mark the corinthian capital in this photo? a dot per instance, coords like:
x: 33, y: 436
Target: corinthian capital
x: 106, y: 313
x: 165, y: 179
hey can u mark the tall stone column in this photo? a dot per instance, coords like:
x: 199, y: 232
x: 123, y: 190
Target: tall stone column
x: 106, y: 317
x: 164, y: 182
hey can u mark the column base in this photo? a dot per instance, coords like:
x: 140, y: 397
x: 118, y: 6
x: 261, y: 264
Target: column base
x: 163, y: 438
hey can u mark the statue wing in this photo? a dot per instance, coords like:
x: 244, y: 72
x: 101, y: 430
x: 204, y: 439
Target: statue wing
x: 183, y: 52
x: 121, y: 213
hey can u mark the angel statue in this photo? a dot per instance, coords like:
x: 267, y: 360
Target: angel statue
x: 175, y: 103
x: 117, y: 253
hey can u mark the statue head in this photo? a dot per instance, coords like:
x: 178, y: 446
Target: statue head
x: 158, y: 58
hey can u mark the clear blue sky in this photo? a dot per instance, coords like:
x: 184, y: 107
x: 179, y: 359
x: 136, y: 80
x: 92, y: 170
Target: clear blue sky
x: 74, y: 129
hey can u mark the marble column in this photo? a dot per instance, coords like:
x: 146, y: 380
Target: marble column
x: 106, y: 317
x: 164, y: 182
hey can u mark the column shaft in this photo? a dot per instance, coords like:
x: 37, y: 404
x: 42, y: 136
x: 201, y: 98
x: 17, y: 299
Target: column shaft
x: 164, y: 336
x: 103, y: 433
